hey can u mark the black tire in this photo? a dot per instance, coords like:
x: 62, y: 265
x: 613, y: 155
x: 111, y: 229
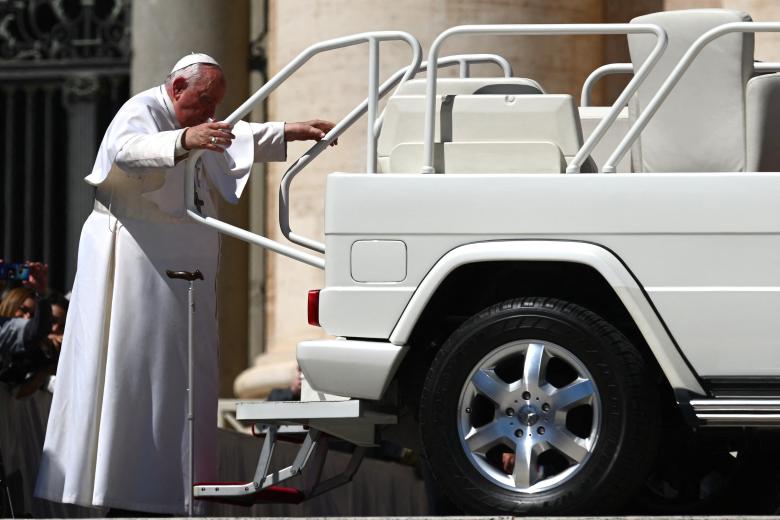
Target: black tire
x: 619, y: 452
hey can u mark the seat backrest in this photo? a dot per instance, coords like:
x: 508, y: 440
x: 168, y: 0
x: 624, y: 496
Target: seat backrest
x: 701, y: 125
x: 456, y: 86
x: 482, y: 133
x: 763, y: 123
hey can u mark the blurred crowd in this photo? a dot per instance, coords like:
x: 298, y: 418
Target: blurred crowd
x: 32, y: 321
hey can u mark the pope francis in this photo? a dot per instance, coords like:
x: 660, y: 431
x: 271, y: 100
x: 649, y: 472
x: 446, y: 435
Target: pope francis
x: 117, y: 432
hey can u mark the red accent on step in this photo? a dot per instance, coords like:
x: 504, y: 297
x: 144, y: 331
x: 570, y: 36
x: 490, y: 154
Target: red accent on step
x: 269, y: 495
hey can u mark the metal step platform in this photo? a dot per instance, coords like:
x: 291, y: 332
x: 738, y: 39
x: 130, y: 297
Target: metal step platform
x: 352, y: 420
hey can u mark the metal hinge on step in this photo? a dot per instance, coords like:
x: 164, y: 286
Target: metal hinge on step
x: 265, y: 487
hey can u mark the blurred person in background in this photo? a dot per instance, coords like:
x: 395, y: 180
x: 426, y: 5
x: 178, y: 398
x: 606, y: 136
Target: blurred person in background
x: 59, y: 314
x: 19, y: 302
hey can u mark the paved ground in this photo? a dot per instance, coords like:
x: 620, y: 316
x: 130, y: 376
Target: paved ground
x: 712, y: 517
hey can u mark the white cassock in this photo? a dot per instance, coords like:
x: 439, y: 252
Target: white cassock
x: 117, y: 432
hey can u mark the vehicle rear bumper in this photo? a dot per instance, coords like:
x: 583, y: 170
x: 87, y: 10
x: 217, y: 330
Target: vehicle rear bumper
x: 353, y: 368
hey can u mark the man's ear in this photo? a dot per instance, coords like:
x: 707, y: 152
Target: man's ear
x: 179, y: 86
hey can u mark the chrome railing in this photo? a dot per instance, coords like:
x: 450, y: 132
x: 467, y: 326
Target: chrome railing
x: 759, y: 67
x: 372, y: 39
x: 536, y: 30
x: 397, y: 79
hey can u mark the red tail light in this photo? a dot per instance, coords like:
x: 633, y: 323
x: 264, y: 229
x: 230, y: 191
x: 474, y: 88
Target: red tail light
x: 314, y: 307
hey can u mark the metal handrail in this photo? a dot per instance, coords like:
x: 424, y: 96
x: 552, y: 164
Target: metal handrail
x: 398, y: 78
x: 604, y: 70
x: 373, y: 39
x: 463, y: 61
x: 628, y: 68
x: 761, y: 66
x: 544, y: 29
x: 674, y: 77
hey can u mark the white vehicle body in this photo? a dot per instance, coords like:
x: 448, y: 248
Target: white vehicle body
x: 487, y: 198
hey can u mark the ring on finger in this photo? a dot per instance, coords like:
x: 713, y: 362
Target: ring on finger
x: 213, y: 140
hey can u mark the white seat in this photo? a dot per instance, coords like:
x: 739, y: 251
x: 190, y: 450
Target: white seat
x: 701, y: 125
x: 763, y: 123
x: 482, y: 133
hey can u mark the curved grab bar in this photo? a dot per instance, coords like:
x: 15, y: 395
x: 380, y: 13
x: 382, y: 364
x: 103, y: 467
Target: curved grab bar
x: 674, y: 77
x: 463, y: 61
x: 545, y: 29
x: 398, y: 78
x: 628, y: 68
x: 372, y: 38
x: 604, y: 70
x: 765, y: 66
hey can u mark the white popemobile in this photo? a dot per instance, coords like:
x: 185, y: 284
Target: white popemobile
x: 564, y: 307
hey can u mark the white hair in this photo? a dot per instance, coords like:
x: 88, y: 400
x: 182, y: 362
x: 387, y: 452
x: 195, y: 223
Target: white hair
x: 189, y: 72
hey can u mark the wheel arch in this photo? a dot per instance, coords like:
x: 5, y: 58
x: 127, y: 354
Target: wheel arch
x: 474, y: 276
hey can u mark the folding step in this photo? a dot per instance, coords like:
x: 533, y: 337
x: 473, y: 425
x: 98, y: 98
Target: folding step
x: 353, y: 420
x: 302, y: 412
x: 238, y: 493
x: 265, y: 488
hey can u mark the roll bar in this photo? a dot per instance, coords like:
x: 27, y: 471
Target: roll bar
x: 399, y: 77
x: 759, y: 67
x: 373, y: 39
x: 536, y: 30
x: 604, y: 70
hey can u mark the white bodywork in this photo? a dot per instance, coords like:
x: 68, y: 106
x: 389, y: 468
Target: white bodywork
x: 691, y: 257
x: 709, y: 262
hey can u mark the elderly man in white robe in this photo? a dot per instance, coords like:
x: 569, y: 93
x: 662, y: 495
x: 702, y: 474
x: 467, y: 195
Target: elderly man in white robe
x: 117, y: 432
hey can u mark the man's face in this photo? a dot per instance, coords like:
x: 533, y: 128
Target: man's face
x: 195, y: 100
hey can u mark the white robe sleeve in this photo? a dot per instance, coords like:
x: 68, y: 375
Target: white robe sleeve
x: 254, y: 142
x: 149, y: 151
x: 269, y: 140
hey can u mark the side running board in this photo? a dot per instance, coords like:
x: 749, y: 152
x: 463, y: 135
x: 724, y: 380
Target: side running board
x: 738, y: 412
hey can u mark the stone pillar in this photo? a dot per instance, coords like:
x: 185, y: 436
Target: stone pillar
x: 767, y: 44
x: 79, y: 95
x: 163, y: 31
x: 332, y: 84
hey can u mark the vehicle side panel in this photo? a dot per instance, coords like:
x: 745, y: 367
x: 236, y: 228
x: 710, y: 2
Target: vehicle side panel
x: 705, y: 247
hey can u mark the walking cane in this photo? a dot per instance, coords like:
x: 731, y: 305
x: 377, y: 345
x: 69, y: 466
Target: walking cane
x: 4, y: 487
x: 190, y: 277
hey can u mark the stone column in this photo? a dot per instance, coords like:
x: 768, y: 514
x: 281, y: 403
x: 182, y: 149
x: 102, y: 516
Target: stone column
x: 79, y: 94
x: 332, y: 84
x: 163, y: 31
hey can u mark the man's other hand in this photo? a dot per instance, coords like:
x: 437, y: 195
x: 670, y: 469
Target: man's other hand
x: 313, y: 130
x: 212, y: 136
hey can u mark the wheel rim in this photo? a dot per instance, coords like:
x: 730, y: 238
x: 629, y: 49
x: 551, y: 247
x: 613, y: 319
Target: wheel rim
x: 533, y: 400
